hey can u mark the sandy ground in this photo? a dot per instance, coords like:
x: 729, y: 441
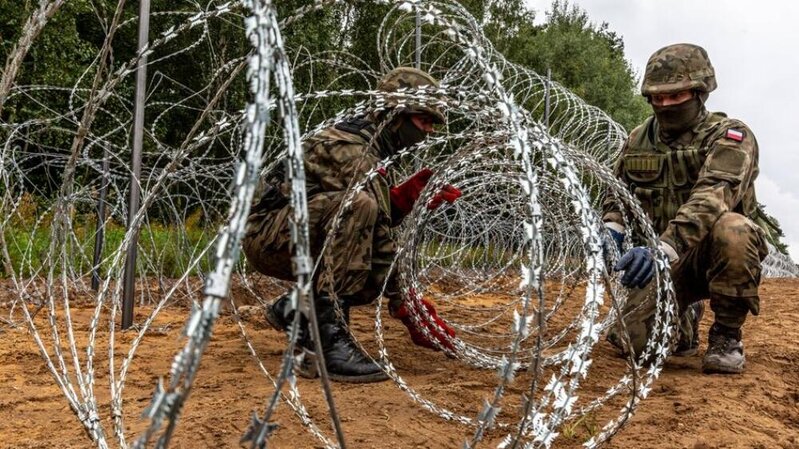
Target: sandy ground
x: 759, y: 409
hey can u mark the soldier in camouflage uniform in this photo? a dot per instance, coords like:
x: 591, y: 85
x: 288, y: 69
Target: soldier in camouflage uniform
x: 356, y: 262
x: 693, y: 173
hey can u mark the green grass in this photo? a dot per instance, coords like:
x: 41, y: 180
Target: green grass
x: 164, y: 250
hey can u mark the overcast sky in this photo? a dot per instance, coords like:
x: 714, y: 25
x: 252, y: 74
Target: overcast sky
x: 754, y: 47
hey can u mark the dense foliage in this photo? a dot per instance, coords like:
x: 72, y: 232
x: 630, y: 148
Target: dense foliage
x: 585, y: 57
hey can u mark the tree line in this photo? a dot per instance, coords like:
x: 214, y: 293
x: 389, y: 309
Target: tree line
x: 583, y: 56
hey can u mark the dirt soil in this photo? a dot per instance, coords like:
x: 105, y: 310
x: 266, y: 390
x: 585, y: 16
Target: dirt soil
x: 759, y: 409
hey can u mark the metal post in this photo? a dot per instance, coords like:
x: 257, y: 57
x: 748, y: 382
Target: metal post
x: 418, y: 39
x: 547, y: 88
x: 138, y: 132
x: 99, y: 236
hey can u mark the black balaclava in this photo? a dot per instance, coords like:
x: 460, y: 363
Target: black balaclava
x: 676, y: 119
x: 406, y: 135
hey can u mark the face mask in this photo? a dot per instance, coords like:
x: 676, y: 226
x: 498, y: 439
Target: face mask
x: 409, y: 134
x: 678, y: 118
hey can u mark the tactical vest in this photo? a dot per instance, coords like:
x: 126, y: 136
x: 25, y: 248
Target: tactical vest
x: 662, y: 176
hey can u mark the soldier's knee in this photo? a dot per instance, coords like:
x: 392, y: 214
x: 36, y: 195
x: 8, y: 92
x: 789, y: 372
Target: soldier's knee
x: 359, y: 213
x: 639, y: 333
x: 729, y: 221
x: 732, y: 233
x: 364, y: 204
x: 637, y: 339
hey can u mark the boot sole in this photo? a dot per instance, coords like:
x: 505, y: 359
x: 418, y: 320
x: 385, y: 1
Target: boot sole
x: 311, y: 373
x: 370, y: 378
x: 686, y: 353
x: 717, y: 368
x: 306, y: 368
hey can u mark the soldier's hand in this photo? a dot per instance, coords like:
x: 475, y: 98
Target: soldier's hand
x: 618, y: 239
x: 638, y: 266
x: 612, y: 239
x: 447, y: 193
x: 439, y: 333
x: 404, y: 196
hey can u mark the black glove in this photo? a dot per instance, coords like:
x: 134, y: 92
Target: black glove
x: 638, y: 266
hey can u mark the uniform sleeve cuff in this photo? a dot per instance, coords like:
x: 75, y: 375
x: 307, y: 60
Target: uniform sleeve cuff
x: 671, y: 253
x: 615, y: 226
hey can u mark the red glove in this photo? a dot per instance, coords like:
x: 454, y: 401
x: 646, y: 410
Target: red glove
x: 404, y: 196
x: 440, y: 331
x: 447, y: 193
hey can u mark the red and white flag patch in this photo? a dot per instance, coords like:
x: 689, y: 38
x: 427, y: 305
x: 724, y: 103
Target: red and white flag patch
x: 735, y: 135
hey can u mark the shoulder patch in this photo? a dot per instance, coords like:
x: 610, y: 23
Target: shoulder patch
x: 735, y: 135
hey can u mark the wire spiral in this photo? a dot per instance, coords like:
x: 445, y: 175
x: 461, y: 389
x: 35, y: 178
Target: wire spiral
x: 531, y: 158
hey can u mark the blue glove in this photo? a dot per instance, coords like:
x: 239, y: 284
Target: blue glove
x: 638, y: 266
x: 618, y: 237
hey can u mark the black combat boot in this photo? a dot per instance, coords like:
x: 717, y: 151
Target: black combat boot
x: 280, y: 318
x: 343, y: 359
x: 687, y: 347
x: 277, y: 314
x: 725, y: 352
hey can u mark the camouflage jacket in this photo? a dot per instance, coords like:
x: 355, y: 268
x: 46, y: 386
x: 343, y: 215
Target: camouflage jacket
x: 335, y: 159
x: 684, y: 187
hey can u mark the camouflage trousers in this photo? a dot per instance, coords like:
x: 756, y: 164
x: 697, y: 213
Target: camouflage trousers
x: 356, y: 260
x: 724, y: 267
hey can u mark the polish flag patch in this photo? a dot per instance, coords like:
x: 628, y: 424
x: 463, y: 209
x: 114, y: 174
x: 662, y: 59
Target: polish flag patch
x: 735, y: 135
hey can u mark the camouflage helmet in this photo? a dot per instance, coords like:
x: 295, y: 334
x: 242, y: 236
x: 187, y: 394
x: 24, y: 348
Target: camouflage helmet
x: 409, y: 77
x: 678, y: 67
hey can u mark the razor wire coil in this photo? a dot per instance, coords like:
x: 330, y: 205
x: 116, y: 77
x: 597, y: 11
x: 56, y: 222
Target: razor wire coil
x: 527, y: 221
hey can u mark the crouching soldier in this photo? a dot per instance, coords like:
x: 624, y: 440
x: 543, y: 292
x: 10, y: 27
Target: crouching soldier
x: 359, y: 252
x: 693, y: 172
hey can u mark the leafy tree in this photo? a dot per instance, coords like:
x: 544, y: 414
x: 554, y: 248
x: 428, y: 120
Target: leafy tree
x: 774, y: 232
x: 584, y: 57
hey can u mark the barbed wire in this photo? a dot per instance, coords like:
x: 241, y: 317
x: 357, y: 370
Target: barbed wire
x: 531, y: 158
